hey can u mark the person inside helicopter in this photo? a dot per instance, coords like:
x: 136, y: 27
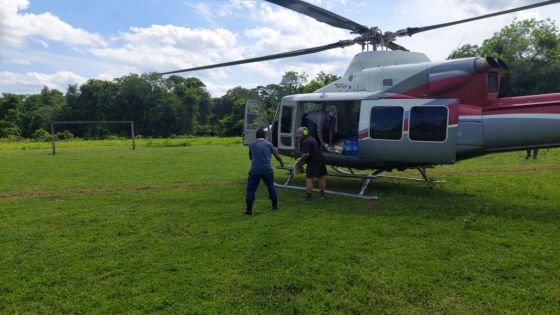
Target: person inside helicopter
x: 320, y: 123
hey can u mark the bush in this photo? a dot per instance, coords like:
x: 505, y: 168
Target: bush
x: 64, y: 135
x: 97, y: 132
x: 9, y: 130
x: 13, y: 138
x: 205, y: 130
x: 41, y: 135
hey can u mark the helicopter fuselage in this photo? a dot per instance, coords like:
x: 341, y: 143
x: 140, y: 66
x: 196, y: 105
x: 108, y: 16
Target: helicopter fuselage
x: 405, y: 111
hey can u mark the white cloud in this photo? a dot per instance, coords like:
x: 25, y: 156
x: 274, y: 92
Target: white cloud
x: 16, y: 27
x: 439, y: 43
x: 168, y: 47
x: 31, y: 82
x: 257, y: 28
x: 17, y: 61
x: 217, y: 90
x: 234, y: 5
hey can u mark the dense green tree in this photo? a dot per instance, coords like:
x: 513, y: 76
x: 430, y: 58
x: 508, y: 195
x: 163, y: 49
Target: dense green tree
x: 321, y: 79
x: 10, y: 115
x: 292, y: 82
x: 465, y: 51
x: 50, y: 108
x: 133, y: 100
x: 230, y: 110
x: 158, y: 106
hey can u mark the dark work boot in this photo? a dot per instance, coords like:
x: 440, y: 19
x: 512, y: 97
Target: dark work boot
x: 274, y: 205
x: 249, y: 210
x: 322, y: 195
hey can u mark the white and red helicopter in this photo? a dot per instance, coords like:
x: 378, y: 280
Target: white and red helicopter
x: 399, y: 110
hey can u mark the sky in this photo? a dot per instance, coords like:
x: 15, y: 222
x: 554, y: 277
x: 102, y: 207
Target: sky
x: 55, y: 43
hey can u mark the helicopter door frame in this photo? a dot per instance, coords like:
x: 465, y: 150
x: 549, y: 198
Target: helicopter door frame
x: 400, y: 148
x: 255, y: 118
x: 287, y: 125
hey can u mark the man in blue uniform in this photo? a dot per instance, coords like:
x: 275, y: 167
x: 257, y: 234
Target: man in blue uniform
x: 316, y: 164
x: 259, y: 153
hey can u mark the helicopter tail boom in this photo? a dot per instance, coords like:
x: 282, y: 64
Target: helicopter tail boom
x: 522, y: 122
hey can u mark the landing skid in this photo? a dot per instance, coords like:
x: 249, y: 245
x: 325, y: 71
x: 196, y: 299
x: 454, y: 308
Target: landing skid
x: 366, y: 179
x: 377, y: 174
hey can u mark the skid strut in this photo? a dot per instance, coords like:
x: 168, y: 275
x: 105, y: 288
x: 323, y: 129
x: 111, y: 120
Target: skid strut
x: 365, y: 178
x: 360, y: 195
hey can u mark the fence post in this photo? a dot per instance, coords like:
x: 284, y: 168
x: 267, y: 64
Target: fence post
x: 53, y: 140
x: 133, y: 137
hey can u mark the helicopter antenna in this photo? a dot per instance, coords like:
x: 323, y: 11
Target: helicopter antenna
x: 461, y: 42
x: 366, y: 35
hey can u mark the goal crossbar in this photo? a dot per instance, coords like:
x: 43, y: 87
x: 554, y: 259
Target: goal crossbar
x: 83, y: 122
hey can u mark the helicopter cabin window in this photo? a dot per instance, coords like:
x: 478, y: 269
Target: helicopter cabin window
x: 386, y: 123
x: 428, y: 123
x: 286, y: 125
x: 492, y: 83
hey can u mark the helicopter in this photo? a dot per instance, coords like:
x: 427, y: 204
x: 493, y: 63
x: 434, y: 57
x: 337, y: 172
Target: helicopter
x: 397, y: 110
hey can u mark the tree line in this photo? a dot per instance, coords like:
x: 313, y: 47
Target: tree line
x: 159, y: 107
x: 163, y: 107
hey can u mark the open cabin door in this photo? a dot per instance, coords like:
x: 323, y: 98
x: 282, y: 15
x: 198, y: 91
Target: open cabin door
x: 416, y: 131
x: 255, y: 118
x: 287, y: 125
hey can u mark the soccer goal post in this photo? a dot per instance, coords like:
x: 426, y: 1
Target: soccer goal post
x: 84, y: 122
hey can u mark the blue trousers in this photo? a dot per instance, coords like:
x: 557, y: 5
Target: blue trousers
x: 253, y: 183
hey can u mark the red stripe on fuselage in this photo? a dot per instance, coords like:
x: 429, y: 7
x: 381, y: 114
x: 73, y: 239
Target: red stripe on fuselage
x: 532, y: 104
x: 453, y: 114
x: 363, y: 134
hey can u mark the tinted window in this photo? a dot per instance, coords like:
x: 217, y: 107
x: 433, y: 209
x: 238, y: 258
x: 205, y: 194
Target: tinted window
x: 286, y: 141
x: 386, y: 123
x: 492, y: 83
x: 286, y: 121
x: 428, y: 123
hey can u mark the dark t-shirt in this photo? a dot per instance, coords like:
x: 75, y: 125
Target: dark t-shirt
x: 310, y: 145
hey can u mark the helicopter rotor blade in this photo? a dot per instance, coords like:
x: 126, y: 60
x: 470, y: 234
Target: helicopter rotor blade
x: 306, y: 51
x: 395, y: 46
x: 414, y: 30
x: 321, y: 15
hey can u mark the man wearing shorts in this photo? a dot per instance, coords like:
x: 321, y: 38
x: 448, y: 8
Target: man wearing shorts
x: 316, y: 164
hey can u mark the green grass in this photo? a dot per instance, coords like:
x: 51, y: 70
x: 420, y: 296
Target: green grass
x: 104, y: 229
x: 79, y: 143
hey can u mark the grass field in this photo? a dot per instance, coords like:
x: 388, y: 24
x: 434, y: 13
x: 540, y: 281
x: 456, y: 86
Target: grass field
x: 99, y: 228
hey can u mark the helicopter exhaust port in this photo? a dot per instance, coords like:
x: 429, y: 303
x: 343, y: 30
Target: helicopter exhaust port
x: 489, y: 64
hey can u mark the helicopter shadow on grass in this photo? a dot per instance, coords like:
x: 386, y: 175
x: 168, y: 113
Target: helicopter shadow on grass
x: 439, y: 201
